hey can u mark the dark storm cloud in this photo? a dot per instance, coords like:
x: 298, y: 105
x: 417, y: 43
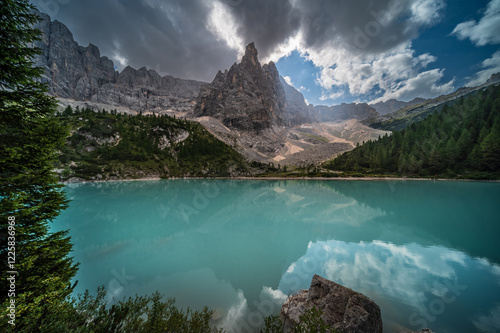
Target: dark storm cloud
x: 358, y: 26
x: 169, y: 36
x: 364, y: 27
x: 172, y: 35
x: 267, y: 23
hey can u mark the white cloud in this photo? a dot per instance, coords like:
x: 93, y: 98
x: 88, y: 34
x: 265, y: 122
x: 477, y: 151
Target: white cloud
x: 425, y: 85
x: 489, y: 322
x: 484, y: 32
x: 323, y: 98
x: 288, y: 80
x: 393, y: 71
x: 427, y: 12
x: 397, y: 74
x: 333, y: 95
x: 490, y: 66
x: 121, y: 60
x: 236, y: 312
x: 277, y: 296
x: 223, y: 25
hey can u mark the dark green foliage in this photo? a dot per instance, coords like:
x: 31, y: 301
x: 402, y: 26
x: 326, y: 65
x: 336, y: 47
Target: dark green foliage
x: 413, y: 114
x: 112, y: 146
x: 29, y: 137
x: 272, y: 324
x: 463, y: 140
x: 311, y: 322
x: 139, y: 314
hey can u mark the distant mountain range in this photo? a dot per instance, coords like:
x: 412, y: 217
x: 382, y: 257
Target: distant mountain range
x: 344, y: 111
x: 393, y: 105
x: 419, y: 109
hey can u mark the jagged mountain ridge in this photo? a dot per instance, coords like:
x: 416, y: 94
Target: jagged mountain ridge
x: 246, y: 97
x: 393, y: 105
x: 81, y: 73
x: 414, y: 113
x: 359, y: 111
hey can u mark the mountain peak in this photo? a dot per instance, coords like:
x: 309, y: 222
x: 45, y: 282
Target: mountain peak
x: 251, y: 49
x: 249, y: 97
x: 251, y: 55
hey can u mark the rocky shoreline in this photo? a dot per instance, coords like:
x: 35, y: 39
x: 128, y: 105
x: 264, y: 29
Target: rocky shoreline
x: 82, y: 181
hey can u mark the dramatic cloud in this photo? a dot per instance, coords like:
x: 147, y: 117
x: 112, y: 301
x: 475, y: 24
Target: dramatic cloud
x: 484, y: 32
x: 362, y: 46
x: 168, y: 36
x: 397, y: 74
x: 426, y: 85
x: 267, y: 23
x: 359, y: 47
x: 362, y: 27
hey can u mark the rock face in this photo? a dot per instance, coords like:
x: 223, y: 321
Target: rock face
x: 344, y: 112
x: 344, y: 309
x: 80, y: 73
x: 297, y: 112
x: 145, y: 90
x: 247, y: 97
x: 252, y: 97
x: 494, y: 78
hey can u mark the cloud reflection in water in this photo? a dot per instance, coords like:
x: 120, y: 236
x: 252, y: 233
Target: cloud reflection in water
x: 414, y: 285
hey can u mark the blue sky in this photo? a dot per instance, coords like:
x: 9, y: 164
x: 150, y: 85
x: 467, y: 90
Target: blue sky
x: 333, y: 51
x: 459, y: 59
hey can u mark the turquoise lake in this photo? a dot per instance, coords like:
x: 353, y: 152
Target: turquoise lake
x: 428, y: 253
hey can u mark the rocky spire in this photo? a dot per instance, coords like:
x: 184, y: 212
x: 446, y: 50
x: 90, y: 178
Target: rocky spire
x: 250, y: 60
x: 247, y: 97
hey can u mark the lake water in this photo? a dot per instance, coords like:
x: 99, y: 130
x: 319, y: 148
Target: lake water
x: 427, y: 252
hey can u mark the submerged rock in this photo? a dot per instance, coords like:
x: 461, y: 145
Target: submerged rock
x: 342, y: 308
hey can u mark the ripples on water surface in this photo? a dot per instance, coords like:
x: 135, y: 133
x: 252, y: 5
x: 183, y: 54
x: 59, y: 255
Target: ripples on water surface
x: 426, y: 252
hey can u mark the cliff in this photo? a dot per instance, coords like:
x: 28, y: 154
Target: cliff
x: 81, y: 73
x: 247, y: 97
x: 297, y: 111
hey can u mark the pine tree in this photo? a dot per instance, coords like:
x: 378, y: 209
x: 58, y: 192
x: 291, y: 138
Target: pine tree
x: 30, y: 195
x: 490, y: 149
